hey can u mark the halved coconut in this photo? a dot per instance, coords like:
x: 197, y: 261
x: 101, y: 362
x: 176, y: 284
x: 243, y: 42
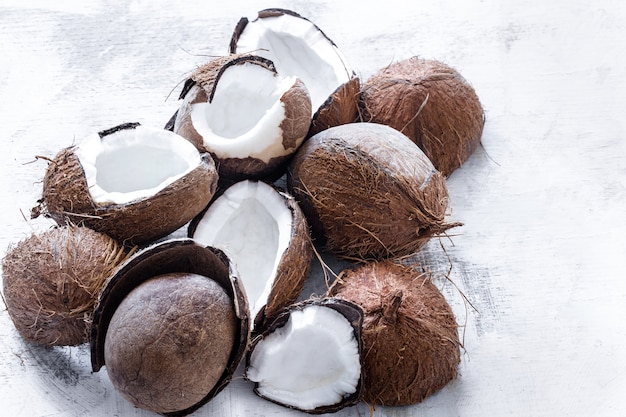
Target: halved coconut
x: 171, y: 326
x: 432, y: 104
x: 309, y: 358
x: 368, y: 191
x: 410, y: 339
x: 249, y: 117
x: 300, y: 48
x: 134, y: 183
x: 266, y: 234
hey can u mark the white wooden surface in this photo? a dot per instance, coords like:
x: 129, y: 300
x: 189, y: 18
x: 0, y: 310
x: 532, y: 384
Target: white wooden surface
x: 542, y: 252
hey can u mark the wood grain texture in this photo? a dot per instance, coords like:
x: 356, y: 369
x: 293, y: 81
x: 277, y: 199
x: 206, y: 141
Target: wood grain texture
x: 536, y: 272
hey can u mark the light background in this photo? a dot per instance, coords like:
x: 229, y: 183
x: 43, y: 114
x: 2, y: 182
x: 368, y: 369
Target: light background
x: 542, y: 251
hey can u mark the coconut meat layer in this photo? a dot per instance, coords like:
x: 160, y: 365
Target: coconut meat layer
x: 132, y: 164
x: 312, y: 361
x: 298, y: 48
x: 252, y: 224
x: 245, y: 115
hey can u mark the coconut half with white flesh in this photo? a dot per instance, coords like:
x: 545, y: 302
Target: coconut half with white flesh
x: 309, y: 357
x: 134, y: 183
x: 265, y: 233
x: 300, y: 48
x: 249, y: 117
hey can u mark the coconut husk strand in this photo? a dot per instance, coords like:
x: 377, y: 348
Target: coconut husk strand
x: 171, y: 326
x: 410, y: 339
x: 432, y: 104
x: 51, y: 282
x: 368, y: 191
x: 67, y: 194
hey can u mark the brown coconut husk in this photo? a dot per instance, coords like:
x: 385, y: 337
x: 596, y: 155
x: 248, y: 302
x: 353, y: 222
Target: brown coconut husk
x: 52, y: 280
x: 341, y: 107
x: 432, y: 104
x: 368, y: 192
x: 410, y: 337
x: 66, y: 198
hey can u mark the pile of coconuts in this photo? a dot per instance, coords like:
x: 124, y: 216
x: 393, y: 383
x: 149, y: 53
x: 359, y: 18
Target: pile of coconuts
x: 277, y: 152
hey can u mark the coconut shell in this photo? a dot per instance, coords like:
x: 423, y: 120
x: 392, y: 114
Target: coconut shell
x: 355, y: 316
x: 410, y: 337
x: 342, y: 107
x: 174, y: 256
x: 66, y: 198
x: 432, y: 104
x: 368, y: 191
x: 294, y: 264
x: 201, y: 88
x: 52, y: 280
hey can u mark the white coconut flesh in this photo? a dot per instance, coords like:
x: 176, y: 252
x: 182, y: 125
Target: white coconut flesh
x: 298, y: 48
x: 244, y: 117
x: 312, y: 361
x: 252, y: 224
x: 132, y: 164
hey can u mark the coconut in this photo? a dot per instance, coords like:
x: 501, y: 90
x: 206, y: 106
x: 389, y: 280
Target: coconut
x: 432, y: 104
x: 134, y: 183
x: 265, y: 233
x: 410, y: 338
x: 52, y: 279
x: 368, y: 191
x: 249, y: 117
x: 309, y: 357
x: 300, y: 48
x: 171, y: 326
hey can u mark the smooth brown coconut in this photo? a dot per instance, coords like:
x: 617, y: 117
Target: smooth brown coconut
x: 52, y: 279
x: 368, y: 191
x: 432, y: 104
x: 171, y: 326
x: 137, y: 184
x: 410, y: 339
x: 247, y: 115
x: 266, y: 234
x: 298, y: 47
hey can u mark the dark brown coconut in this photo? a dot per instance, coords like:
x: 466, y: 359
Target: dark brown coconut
x: 368, y: 191
x: 292, y: 258
x: 52, y: 280
x: 66, y: 198
x: 432, y: 104
x: 410, y: 338
x: 268, y: 164
x: 289, y: 374
x: 279, y: 35
x: 179, y: 327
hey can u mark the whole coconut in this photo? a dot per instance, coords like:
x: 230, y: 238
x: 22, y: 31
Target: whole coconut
x: 432, y: 104
x: 410, y: 338
x: 52, y: 279
x: 368, y: 191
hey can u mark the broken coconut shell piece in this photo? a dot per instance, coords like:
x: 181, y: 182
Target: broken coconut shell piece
x: 368, y: 191
x: 249, y: 117
x: 410, y: 338
x: 264, y: 232
x: 52, y: 279
x: 309, y: 357
x: 171, y: 326
x: 135, y: 183
x: 300, y: 48
x: 432, y: 104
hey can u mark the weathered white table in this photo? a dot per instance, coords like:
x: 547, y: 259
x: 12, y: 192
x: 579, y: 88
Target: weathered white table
x: 541, y: 256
